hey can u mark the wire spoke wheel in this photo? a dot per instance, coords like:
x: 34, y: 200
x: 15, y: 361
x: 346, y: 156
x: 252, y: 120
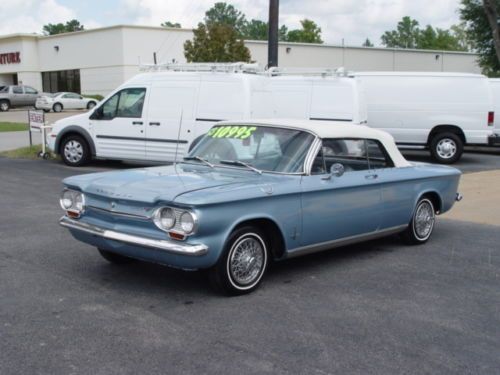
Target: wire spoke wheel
x: 246, y: 262
x: 423, y: 221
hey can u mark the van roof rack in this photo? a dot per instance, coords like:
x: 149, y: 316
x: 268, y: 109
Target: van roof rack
x: 238, y: 67
x: 337, y: 72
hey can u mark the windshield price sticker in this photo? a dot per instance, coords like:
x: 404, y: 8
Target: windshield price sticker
x: 236, y: 132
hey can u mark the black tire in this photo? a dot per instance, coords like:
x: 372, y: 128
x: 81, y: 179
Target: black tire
x: 413, y: 235
x: 58, y: 107
x: 195, y: 142
x: 91, y: 105
x: 77, y: 146
x: 222, y: 276
x: 46, y: 110
x: 446, y: 148
x: 4, y: 105
x: 115, y: 258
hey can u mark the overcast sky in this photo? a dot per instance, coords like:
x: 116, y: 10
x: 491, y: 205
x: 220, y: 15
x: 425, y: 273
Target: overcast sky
x: 351, y: 20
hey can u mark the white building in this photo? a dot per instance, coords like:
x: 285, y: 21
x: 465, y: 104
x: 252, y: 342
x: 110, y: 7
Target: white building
x: 98, y: 60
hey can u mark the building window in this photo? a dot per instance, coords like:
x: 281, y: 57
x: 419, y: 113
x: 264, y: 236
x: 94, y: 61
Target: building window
x: 61, y: 80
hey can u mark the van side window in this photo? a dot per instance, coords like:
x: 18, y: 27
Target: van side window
x: 351, y: 153
x: 377, y: 156
x: 126, y: 103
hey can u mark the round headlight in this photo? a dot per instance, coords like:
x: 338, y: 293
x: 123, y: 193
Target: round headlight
x: 78, y: 203
x: 66, y: 199
x: 187, y: 222
x: 165, y: 218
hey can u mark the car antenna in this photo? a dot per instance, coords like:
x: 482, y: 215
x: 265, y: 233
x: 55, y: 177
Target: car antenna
x: 178, y: 139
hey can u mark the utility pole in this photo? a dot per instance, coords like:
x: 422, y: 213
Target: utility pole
x: 272, y: 44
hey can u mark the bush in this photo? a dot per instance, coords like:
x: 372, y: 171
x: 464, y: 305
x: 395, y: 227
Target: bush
x: 94, y: 96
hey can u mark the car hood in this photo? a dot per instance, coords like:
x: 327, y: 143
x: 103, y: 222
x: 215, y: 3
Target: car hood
x: 157, y: 184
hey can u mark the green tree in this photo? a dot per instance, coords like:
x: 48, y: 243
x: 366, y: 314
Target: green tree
x: 215, y: 43
x: 226, y: 14
x: 405, y: 35
x: 367, y: 43
x: 171, y: 24
x: 255, y: 30
x: 310, y: 33
x: 479, y: 34
x: 60, y: 28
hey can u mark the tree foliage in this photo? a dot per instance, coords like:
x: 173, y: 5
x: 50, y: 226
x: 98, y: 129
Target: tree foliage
x: 408, y: 34
x: 177, y: 25
x: 367, y: 43
x: 480, y: 35
x: 215, y: 43
x: 309, y: 33
x: 226, y: 14
x: 60, y: 28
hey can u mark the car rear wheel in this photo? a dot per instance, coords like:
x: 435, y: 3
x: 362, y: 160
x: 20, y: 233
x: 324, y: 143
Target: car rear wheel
x: 4, y: 105
x: 422, y: 223
x: 446, y: 148
x: 46, y: 110
x: 57, y: 107
x: 75, y: 151
x: 90, y: 105
x: 243, y: 262
x: 115, y: 258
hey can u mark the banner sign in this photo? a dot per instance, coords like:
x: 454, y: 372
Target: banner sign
x: 10, y: 58
x: 36, y: 120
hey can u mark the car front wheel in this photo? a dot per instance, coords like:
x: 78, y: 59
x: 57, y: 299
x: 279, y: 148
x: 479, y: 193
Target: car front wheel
x: 4, y: 105
x: 57, y: 107
x: 75, y: 151
x: 422, y: 223
x: 243, y: 262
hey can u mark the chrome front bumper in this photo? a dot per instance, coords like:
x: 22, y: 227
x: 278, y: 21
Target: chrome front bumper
x: 163, y: 245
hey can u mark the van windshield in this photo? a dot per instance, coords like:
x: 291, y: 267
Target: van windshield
x: 264, y: 148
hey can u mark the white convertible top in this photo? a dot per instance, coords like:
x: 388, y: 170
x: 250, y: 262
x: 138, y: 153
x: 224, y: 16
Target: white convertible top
x: 335, y: 129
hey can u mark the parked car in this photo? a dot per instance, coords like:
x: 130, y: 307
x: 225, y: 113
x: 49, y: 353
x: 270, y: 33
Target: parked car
x: 64, y: 100
x: 162, y: 113
x: 252, y: 192
x: 12, y: 96
x: 441, y: 112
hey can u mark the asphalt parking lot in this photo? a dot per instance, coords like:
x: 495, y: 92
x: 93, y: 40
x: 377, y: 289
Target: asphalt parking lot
x: 375, y: 308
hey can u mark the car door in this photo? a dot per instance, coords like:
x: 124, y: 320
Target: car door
x: 339, y: 207
x: 30, y: 95
x: 118, y: 125
x: 17, y: 97
x: 71, y: 101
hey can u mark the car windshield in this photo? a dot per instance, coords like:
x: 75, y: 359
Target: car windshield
x: 258, y: 148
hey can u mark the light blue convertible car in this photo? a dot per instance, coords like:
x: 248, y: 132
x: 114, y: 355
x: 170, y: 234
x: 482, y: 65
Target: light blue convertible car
x: 252, y: 192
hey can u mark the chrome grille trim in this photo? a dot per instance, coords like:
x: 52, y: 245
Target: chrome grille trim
x: 118, y: 213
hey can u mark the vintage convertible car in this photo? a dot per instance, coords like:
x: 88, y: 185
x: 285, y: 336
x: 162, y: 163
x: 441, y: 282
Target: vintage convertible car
x: 252, y: 192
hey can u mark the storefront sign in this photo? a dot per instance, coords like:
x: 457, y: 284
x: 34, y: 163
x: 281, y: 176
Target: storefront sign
x: 10, y: 58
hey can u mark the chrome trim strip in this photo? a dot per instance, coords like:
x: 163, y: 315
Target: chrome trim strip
x: 344, y: 241
x: 118, y: 213
x: 163, y: 245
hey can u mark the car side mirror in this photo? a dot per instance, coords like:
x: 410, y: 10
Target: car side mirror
x: 336, y: 170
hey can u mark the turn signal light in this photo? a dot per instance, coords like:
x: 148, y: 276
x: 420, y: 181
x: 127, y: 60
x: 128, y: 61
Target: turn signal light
x: 176, y: 236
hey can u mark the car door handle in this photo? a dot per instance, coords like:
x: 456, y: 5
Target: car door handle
x: 371, y: 176
x: 154, y: 124
x: 137, y: 123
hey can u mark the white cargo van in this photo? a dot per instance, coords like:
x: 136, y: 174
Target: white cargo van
x: 441, y: 112
x: 155, y: 116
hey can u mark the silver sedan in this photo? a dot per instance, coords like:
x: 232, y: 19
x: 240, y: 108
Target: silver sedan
x: 64, y: 100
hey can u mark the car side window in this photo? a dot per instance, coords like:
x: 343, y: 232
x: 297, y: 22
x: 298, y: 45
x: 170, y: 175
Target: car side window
x: 66, y: 96
x: 377, y: 155
x: 30, y: 90
x: 17, y: 90
x: 130, y: 103
x: 351, y: 153
x: 109, y: 107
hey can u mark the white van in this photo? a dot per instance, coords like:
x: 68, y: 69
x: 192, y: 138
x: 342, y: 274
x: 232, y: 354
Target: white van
x: 441, y: 112
x: 155, y: 116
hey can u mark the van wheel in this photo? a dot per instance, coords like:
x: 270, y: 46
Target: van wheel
x: 446, y: 148
x: 75, y: 151
x: 243, y: 262
x: 57, y: 107
x: 4, y: 105
x: 422, y: 223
